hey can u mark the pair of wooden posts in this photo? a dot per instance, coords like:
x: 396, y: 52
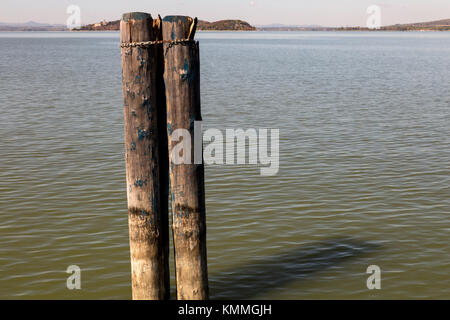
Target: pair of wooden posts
x: 161, y: 91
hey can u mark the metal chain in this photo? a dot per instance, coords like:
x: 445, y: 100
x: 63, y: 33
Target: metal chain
x: 147, y: 44
x: 183, y: 43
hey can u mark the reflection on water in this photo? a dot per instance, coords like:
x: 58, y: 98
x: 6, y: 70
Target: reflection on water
x: 364, y: 165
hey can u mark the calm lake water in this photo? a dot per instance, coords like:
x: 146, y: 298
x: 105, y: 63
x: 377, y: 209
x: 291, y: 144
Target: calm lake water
x: 364, y: 175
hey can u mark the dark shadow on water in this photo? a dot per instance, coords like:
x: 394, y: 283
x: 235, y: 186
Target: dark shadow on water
x: 263, y: 275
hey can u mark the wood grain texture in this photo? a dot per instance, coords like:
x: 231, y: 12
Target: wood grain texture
x: 147, y: 216
x: 187, y: 191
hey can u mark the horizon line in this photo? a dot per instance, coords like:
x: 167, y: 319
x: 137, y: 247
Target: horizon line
x: 254, y: 25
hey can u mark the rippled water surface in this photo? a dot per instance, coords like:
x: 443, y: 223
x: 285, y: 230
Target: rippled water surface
x: 364, y: 165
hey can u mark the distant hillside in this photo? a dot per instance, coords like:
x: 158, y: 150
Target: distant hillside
x: 101, y: 26
x: 31, y: 26
x: 224, y: 25
x: 438, y: 25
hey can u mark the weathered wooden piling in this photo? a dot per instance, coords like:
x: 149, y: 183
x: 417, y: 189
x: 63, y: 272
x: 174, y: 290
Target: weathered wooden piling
x: 182, y: 81
x: 147, y: 215
x: 163, y: 149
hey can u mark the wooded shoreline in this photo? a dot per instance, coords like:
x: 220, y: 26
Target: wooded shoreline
x: 240, y: 25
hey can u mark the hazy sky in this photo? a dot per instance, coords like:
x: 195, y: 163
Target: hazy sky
x: 323, y: 12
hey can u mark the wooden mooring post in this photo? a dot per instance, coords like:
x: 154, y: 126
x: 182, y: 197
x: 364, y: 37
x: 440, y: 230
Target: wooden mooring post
x: 187, y: 191
x: 161, y: 90
x: 145, y: 155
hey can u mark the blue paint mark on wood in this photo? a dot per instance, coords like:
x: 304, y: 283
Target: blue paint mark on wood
x: 146, y: 103
x: 147, y: 106
x: 140, y: 183
x: 139, y: 53
x: 143, y: 134
x: 187, y: 75
x: 137, y: 80
x: 172, y: 34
